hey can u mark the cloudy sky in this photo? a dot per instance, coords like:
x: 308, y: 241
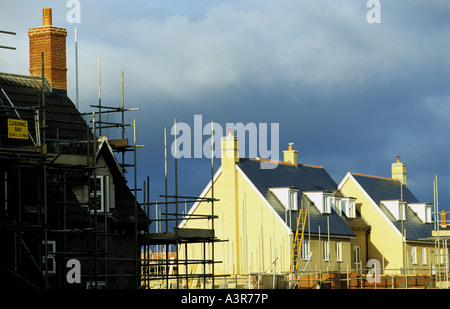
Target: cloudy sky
x: 351, y: 95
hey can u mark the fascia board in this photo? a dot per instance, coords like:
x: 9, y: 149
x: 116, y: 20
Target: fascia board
x: 350, y: 176
x: 202, y: 195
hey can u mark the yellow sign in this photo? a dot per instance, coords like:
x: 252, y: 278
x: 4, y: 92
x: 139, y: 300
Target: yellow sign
x: 17, y: 129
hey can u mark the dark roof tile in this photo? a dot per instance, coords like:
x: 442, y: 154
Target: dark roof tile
x: 304, y: 178
x: 380, y: 188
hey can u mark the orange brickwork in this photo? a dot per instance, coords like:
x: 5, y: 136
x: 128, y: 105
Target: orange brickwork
x: 51, y: 41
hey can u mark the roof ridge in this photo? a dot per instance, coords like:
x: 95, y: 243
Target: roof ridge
x: 373, y: 176
x: 22, y: 78
x: 282, y: 162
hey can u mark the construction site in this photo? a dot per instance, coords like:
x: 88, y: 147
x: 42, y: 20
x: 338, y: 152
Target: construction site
x: 71, y: 219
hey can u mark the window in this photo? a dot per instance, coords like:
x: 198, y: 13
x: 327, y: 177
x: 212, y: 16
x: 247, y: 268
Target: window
x: 339, y: 251
x: 351, y: 209
x: 326, y: 250
x: 414, y: 255
x: 287, y: 196
x: 321, y: 200
x: 337, y: 204
x: 396, y: 208
x: 326, y: 204
x: 99, y: 193
x: 424, y: 256
x: 48, y: 258
x: 306, y: 250
x: 293, y: 199
x: 357, y: 255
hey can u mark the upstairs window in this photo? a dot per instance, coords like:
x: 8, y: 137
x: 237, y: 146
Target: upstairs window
x: 424, y: 256
x: 414, y: 255
x: 321, y: 200
x: 306, y: 253
x: 339, y: 251
x: 422, y: 210
x: 287, y: 196
x: 99, y: 193
x: 357, y: 256
x: 326, y: 250
x: 395, y: 207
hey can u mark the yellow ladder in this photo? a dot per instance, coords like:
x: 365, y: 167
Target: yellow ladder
x: 298, y: 239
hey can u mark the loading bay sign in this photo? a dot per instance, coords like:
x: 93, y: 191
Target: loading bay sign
x: 17, y: 129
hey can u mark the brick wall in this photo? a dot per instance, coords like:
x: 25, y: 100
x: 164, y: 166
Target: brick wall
x: 51, y: 41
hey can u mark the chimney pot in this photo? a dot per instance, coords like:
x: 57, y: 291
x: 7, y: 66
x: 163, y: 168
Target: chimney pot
x: 443, y: 219
x: 399, y: 171
x: 290, y: 155
x: 46, y: 17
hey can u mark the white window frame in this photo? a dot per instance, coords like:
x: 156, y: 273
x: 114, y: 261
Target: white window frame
x: 339, y: 251
x: 414, y: 255
x: 102, y: 194
x: 306, y: 253
x: 326, y: 250
x: 351, y: 209
x: 51, y: 247
x: 424, y: 256
x: 326, y: 204
x: 293, y: 199
x: 357, y: 255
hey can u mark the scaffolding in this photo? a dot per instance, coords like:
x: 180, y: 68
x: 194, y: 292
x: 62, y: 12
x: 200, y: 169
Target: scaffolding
x: 170, y: 236
x: 42, y: 221
x: 162, y: 269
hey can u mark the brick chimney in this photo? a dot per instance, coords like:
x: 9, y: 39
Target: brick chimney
x: 51, y: 41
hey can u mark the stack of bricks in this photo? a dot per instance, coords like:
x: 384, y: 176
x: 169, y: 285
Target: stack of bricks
x: 51, y: 41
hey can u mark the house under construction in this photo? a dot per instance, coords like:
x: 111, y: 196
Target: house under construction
x: 68, y: 218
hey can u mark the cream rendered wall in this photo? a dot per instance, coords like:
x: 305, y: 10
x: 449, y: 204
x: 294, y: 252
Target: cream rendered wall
x: 266, y: 240
x: 385, y: 242
x: 318, y: 263
x: 360, y: 241
x: 256, y: 237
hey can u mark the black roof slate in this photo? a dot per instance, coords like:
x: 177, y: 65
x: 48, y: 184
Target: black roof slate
x: 304, y: 178
x: 379, y: 188
x: 64, y: 122
x: 63, y: 119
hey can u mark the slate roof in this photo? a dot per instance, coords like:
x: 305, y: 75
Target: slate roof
x: 380, y: 188
x: 304, y: 178
x: 62, y: 117
x: 64, y: 123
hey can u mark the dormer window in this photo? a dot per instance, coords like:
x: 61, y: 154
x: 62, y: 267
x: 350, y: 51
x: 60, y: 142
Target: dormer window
x: 422, y: 210
x: 351, y: 208
x: 287, y: 196
x: 347, y: 205
x: 396, y: 208
x: 321, y: 200
x: 99, y: 193
x: 336, y: 204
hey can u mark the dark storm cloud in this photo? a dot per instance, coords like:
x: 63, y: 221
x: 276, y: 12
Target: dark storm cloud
x: 350, y: 94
